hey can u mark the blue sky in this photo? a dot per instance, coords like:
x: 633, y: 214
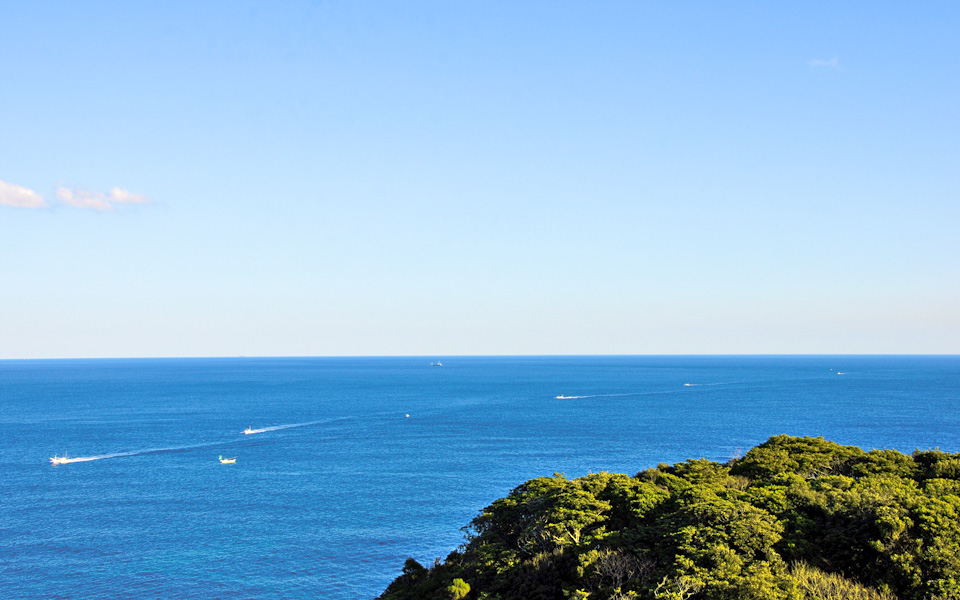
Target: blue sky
x: 441, y: 178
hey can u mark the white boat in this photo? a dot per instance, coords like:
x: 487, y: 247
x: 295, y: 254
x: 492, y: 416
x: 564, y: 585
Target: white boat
x: 60, y: 460
x: 436, y: 364
x: 228, y: 461
x: 248, y: 431
x: 564, y: 397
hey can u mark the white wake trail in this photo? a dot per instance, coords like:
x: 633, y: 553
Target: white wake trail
x: 62, y: 460
x: 249, y: 431
x: 614, y: 395
x: 65, y: 460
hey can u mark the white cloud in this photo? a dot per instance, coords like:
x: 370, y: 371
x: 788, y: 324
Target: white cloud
x: 833, y: 63
x: 14, y: 195
x: 99, y: 200
x: 120, y: 196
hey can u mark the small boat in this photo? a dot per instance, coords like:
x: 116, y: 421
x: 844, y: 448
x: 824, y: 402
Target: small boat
x: 248, y: 431
x: 564, y: 397
x: 228, y: 461
x: 60, y: 460
x: 436, y: 364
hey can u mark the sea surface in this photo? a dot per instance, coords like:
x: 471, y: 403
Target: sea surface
x: 367, y: 461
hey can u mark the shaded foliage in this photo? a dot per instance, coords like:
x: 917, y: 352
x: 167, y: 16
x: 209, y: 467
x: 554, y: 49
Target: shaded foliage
x: 794, y: 518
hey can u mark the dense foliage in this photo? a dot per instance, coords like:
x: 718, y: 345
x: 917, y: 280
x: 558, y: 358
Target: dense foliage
x: 795, y: 518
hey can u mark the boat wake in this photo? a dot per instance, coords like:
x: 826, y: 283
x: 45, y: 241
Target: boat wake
x: 611, y: 395
x: 562, y: 397
x: 248, y: 431
x: 60, y: 460
x: 719, y: 383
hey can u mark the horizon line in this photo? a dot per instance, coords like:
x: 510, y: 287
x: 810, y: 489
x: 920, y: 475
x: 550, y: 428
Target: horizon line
x: 447, y: 356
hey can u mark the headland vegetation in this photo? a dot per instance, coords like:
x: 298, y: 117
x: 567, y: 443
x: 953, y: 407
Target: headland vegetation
x: 794, y: 518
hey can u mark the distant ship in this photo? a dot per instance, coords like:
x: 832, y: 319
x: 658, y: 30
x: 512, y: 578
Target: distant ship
x: 436, y: 364
x: 227, y: 461
x: 248, y: 431
x: 564, y: 397
x: 60, y: 460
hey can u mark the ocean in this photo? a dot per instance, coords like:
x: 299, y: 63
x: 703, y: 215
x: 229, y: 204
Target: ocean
x: 367, y: 461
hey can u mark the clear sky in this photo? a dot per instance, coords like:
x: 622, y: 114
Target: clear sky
x: 441, y: 178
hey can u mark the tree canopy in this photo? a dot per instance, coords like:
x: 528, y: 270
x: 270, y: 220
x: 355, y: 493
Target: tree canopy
x: 793, y: 519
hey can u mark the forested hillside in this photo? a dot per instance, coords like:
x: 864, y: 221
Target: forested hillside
x: 794, y: 518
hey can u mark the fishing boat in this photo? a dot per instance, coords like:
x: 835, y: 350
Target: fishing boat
x: 250, y: 430
x: 228, y: 461
x: 60, y: 460
x: 436, y: 364
x: 564, y: 397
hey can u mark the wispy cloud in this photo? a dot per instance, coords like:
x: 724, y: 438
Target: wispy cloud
x: 99, y: 200
x: 833, y: 63
x: 14, y: 195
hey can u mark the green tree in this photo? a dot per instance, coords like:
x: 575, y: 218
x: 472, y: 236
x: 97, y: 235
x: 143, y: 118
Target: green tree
x: 458, y: 589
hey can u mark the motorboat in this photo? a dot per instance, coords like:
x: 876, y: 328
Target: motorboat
x: 228, y: 461
x: 60, y: 460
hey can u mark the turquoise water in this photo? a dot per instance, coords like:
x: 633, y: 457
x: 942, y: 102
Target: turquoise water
x: 344, y: 486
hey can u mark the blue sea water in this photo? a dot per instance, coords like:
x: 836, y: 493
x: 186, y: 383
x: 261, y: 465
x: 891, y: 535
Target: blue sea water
x: 371, y: 460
